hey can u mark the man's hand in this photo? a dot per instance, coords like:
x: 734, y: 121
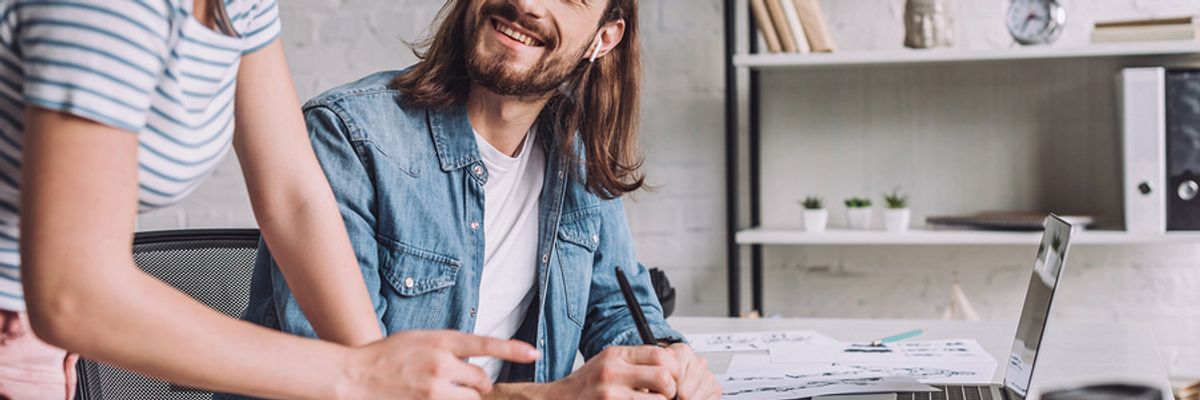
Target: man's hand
x: 428, y: 365
x: 696, y: 382
x: 619, y: 372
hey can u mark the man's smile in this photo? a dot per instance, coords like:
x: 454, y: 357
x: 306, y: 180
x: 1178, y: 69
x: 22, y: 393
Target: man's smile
x: 516, y: 34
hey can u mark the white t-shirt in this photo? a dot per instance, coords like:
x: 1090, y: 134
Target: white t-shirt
x: 510, y: 232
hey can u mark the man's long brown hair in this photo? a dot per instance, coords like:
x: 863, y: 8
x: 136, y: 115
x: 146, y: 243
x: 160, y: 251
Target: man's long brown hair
x: 601, y: 101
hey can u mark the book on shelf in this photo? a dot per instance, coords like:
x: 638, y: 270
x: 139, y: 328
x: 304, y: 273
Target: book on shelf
x: 796, y: 27
x: 812, y: 19
x: 762, y: 18
x: 779, y: 20
x: 1147, y: 30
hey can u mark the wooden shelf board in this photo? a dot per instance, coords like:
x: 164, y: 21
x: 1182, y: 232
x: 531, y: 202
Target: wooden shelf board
x: 911, y: 56
x: 918, y: 236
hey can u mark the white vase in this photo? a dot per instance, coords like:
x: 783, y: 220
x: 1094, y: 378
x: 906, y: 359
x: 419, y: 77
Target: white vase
x: 815, y: 220
x: 858, y: 218
x: 897, y: 219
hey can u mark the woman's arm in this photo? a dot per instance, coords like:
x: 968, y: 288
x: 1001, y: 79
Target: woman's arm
x: 294, y: 205
x: 84, y: 294
x: 79, y: 200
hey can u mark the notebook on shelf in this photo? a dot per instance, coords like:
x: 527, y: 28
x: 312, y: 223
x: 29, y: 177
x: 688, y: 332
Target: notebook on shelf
x: 1000, y: 221
x: 1147, y: 30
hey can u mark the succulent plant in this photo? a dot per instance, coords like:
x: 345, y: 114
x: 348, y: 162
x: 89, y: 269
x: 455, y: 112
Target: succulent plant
x: 895, y: 200
x: 858, y: 202
x: 813, y: 203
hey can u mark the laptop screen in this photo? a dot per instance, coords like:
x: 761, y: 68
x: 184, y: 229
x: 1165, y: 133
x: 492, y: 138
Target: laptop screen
x: 1050, y: 260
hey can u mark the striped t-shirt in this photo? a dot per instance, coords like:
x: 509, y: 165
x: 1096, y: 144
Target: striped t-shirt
x: 145, y: 66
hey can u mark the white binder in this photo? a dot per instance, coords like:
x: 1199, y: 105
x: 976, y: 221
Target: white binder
x: 1142, y: 99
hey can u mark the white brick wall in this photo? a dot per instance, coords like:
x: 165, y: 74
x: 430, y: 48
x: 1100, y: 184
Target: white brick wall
x: 680, y: 225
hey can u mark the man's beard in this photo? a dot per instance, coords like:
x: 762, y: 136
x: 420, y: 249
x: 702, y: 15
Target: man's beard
x: 493, y: 72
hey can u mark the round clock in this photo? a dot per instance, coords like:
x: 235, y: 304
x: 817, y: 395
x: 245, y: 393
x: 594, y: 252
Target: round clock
x: 1036, y: 21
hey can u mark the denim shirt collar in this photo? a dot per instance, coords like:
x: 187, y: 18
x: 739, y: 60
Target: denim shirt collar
x: 456, y: 147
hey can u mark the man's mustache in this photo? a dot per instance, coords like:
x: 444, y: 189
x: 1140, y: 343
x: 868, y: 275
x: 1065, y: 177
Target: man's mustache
x: 508, y: 12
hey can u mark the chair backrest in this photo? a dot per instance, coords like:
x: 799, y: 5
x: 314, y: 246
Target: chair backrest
x: 212, y: 266
x: 664, y: 291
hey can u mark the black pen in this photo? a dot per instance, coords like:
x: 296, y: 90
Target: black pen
x: 635, y: 310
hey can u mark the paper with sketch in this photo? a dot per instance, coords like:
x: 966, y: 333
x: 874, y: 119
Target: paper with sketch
x: 748, y: 363
x: 751, y: 387
x: 925, y: 372
x: 935, y: 351
x: 753, y: 370
x: 935, y: 373
x: 750, y: 341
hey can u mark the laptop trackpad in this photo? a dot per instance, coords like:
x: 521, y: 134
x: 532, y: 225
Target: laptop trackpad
x: 884, y: 396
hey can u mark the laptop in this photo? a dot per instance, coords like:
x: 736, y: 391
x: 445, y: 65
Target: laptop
x: 1046, y: 271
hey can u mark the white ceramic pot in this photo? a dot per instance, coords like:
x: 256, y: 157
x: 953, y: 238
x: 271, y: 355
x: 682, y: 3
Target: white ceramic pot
x: 858, y: 218
x: 896, y: 220
x: 816, y: 220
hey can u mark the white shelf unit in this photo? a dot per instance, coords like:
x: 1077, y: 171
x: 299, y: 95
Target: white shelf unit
x: 777, y: 65
x: 931, y: 56
x: 925, y: 237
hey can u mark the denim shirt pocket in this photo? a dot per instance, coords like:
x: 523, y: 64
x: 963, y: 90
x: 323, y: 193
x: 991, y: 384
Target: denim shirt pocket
x: 579, y: 235
x: 412, y: 271
x: 419, y: 279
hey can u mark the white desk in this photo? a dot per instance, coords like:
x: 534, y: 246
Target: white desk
x: 1072, y: 353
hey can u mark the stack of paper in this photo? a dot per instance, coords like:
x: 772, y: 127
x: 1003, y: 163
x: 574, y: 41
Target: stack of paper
x: 807, y: 363
x: 733, y: 389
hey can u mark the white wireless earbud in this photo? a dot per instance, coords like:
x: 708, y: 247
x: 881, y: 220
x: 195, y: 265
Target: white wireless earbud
x: 596, y: 52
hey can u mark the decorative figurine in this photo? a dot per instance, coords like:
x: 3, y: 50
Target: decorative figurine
x: 927, y: 24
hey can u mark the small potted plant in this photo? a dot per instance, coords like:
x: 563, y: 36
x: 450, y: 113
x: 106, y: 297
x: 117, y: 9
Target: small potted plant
x: 815, y: 214
x: 858, y: 213
x: 897, y: 215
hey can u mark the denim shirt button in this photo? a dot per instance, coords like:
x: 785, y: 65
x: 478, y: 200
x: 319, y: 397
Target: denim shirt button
x: 595, y: 238
x: 545, y: 258
x: 474, y: 225
x: 472, y: 312
x: 477, y: 169
x: 408, y: 282
x: 541, y: 342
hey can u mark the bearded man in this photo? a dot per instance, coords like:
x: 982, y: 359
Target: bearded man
x: 481, y: 189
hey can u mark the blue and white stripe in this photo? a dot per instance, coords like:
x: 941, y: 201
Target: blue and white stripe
x: 145, y: 66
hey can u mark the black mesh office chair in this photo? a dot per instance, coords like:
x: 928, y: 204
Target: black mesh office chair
x: 211, y: 266
x: 664, y: 291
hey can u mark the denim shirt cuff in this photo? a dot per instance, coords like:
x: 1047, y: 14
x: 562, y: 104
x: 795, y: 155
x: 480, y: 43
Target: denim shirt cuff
x: 631, y: 337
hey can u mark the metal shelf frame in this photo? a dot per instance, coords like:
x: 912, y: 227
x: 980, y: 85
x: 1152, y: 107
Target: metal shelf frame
x: 733, y: 165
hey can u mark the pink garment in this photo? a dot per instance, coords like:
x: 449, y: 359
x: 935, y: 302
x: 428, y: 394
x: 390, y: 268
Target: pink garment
x: 30, y: 368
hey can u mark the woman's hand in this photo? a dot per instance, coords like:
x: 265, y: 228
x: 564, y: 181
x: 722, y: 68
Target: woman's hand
x: 429, y: 365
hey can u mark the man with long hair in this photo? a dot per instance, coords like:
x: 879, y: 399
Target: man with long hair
x: 481, y: 189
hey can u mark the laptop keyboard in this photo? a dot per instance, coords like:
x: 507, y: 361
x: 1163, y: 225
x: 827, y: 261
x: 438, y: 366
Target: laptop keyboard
x: 950, y: 393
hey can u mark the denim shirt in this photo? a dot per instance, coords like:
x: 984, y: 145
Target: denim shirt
x: 409, y: 184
